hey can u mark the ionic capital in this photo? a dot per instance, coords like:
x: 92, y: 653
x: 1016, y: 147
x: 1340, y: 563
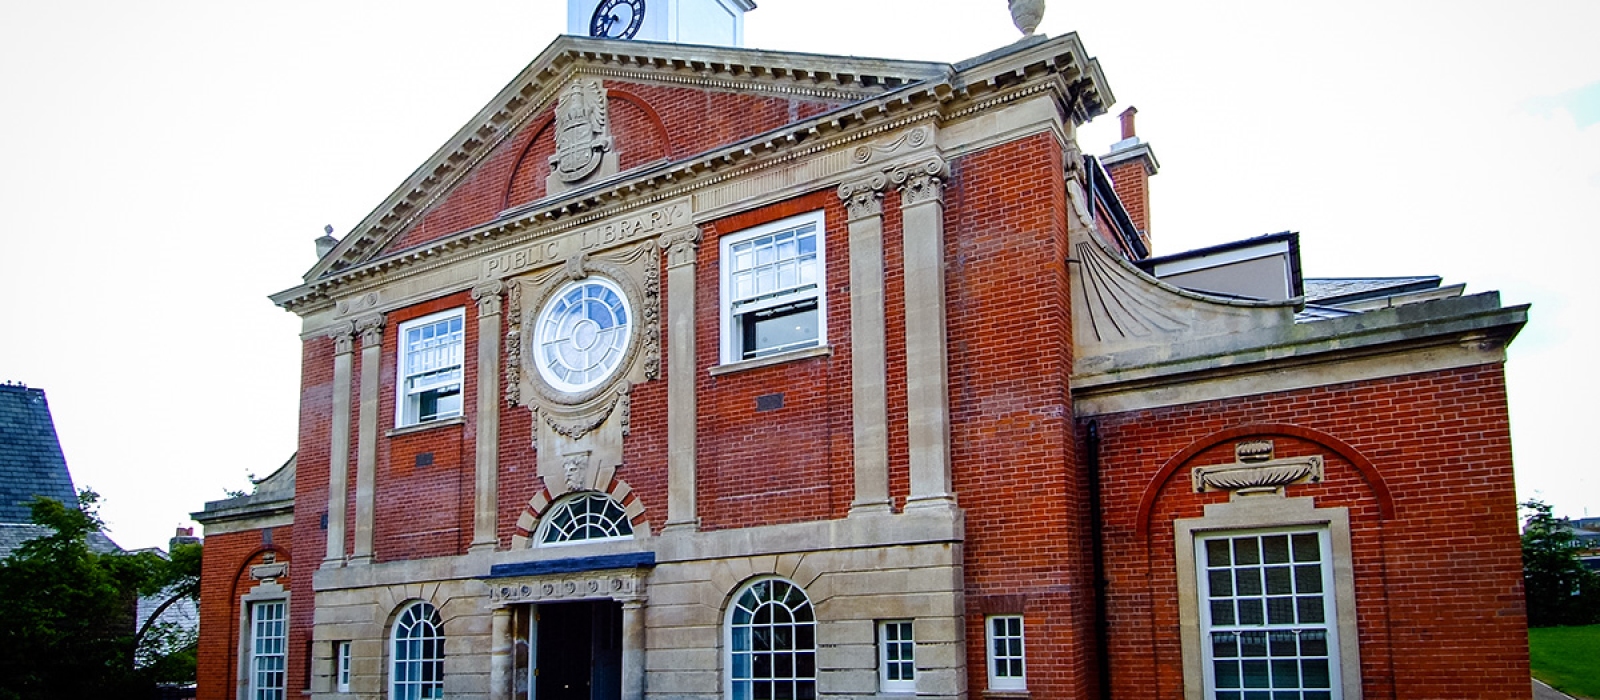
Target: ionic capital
x: 921, y: 182
x: 343, y: 335
x: 488, y: 297
x: 864, y: 198
x: 371, y: 330
x: 682, y: 246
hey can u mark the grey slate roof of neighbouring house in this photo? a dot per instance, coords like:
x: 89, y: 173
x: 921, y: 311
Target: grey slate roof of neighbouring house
x: 31, y: 464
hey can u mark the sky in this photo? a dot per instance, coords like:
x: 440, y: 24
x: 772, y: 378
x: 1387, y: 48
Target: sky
x: 169, y: 163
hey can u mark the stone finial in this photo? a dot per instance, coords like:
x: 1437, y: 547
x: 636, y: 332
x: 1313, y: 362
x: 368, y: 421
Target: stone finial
x: 1027, y: 14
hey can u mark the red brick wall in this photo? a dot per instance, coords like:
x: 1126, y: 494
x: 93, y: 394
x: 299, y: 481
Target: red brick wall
x: 649, y: 124
x: 225, y: 576
x: 424, y: 511
x: 1437, y: 580
x: 311, y: 490
x: 1131, y: 181
x: 1013, y: 447
x: 792, y: 464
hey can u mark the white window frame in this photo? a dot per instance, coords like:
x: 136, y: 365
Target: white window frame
x: 408, y: 401
x: 1330, y: 621
x: 734, y: 310
x: 341, y: 666
x: 1005, y: 680
x: 1264, y: 513
x: 900, y: 650
x: 623, y: 524
x: 265, y: 629
x: 426, y: 689
x: 732, y: 651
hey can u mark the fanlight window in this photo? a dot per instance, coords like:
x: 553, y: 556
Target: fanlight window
x: 772, y: 643
x: 418, y: 654
x: 585, y: 518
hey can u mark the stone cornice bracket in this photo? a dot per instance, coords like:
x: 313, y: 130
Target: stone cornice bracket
x: 683, y: 247
x: 343, y: 335
x: 488, y: 297
x: 371, y: 330
x: 1072, y: 163
x: 864, y: 198
x: 1255, y: 472
x: 921, y: 182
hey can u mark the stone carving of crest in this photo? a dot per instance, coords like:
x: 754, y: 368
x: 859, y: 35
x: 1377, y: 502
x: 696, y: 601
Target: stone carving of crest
x: 583, y: 133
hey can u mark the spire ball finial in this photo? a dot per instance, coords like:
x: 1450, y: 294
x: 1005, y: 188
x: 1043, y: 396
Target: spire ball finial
x: 1027, y: 14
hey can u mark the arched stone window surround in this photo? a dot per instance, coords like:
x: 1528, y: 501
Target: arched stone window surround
x: 781, y: 612
x: 583, y: 504
x: 1369, y: 472
x: 523, y: 535
x: 416, y: 651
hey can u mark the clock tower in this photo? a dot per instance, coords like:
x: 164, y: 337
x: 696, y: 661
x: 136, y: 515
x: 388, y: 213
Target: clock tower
x: 713, y: 22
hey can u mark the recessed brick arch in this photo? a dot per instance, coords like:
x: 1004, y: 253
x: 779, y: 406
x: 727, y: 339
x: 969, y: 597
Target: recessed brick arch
x: 528, y: 521
x: 1369, y: 471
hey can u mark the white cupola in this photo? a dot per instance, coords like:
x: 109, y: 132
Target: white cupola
x: 713, y: 22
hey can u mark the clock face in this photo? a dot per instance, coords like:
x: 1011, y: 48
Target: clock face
x: 617, y: 19
x: 582, y: 334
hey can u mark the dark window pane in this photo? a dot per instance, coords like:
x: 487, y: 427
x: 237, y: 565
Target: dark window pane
x: 1217, y: 553
x: 1248, y: 581
x: 1221, y: 612
x: 1250, y: 612
x: 1255, y: 674
x: 1278, y: 581
x: 1315, y: 672
x: 1308, y: 578
x: 1226, y: 673
x: 1307, y: 548
x: 1245, y: 551
x: 1285, y: 674
x: 1275, y: 549
x: 1221, y: 583
x: 1310, y: 609
x: 1280, y: 611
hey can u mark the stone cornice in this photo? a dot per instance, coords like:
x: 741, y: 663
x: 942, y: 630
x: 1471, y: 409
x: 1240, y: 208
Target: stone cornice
x: 1441, y: 334
x: 920, y: 92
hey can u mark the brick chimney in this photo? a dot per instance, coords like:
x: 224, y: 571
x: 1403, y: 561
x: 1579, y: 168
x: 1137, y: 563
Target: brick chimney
x: 1130, y: 165
x: 185, y: 535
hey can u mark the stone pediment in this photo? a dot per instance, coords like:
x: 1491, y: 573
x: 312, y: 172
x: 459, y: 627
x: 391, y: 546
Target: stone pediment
x: 872, y: 95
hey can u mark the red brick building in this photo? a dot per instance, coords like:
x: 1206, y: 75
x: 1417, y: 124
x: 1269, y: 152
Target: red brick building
x: 694, y: 372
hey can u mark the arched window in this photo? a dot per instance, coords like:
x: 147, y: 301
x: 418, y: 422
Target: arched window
x: 772, y: 643
x: 585, y: 517
x: 418, y: 653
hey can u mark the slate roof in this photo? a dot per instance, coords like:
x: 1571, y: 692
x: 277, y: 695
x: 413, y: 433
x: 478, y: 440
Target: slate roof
x: 1337, y: 290
x: 31, y: 462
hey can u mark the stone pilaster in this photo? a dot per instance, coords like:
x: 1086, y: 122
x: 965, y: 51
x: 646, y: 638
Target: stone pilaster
x: 371, y: 330
x: 633, y: 645
x: 682, y: 250
x: 500, y: 650
x: 927, y: 365
x: 339, y: 443
x: 486, y: 483
x: 869, y: 374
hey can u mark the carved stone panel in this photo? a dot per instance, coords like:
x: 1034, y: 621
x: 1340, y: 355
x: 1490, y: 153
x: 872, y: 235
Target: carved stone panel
x: 584, y: 148
x: 616, y: 585
x: 1256, y: 472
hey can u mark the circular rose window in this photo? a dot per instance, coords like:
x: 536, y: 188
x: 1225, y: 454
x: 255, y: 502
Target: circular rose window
x: 582, y: 334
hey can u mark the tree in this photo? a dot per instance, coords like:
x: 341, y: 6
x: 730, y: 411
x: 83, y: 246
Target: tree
x: 1560, y: 590
x: 70, y: 612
